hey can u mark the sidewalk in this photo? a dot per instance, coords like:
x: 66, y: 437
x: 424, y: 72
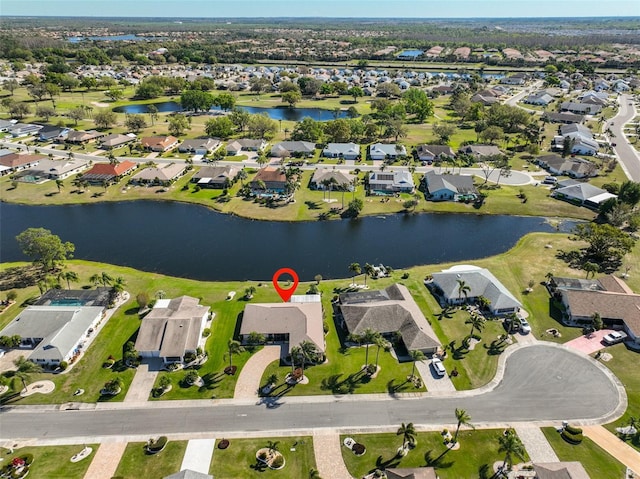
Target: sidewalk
x: 328, y: 451
x: 536, y: 444
x: 106, y: 460
x: 249, y: 380
x: 614, y: 446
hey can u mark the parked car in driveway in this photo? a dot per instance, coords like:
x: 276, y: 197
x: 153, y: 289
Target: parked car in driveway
x: 525, y: 327
x: 438, y: 367
x: 614, y: 337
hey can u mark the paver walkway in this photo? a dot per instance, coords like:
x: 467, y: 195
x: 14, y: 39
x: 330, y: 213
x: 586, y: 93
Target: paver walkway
x: 142, y: 384
x: 431, y: 381
x: 197, y: 456
x: 619, y: 449
x: 589, y: 345
x: 525, y: 338
x: 106, y: 460
x: 249, y: 380
x: 536, y: 444
x: 329, y: 462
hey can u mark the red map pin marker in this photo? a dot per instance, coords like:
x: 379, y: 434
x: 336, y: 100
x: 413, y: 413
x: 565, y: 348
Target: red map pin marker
x: 285, y: 294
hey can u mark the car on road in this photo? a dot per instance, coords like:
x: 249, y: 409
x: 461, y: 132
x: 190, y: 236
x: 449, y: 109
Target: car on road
x: 615, y: 337
x: 438, y: 367
x: 525, y: 327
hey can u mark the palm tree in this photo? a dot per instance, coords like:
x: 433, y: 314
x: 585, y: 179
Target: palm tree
x: 380, y: 342
x: 476, y: 322
x: 304, y: 352
x: 368, y: 337
x: 511, y: 445
x: 69, y: 276
x: 25, y: 369
x: 106, y: 278
x: 368, y: 271
x: 248, y: 293
x: 95, y: 279
x: 296, y: 353
x: 234, y: 347
x: 355, y: 269
x: 463, y: 289
x: 59, y: 184
x: 416, y: 356
x: 118, y: 284
x: 273, y: 447
x: 314, y: 474
x: 242, y: 175
x: 408, y: 433
x: 463, y: 420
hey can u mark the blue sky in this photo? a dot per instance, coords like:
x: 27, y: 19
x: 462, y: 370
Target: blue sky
x: 322, y: 8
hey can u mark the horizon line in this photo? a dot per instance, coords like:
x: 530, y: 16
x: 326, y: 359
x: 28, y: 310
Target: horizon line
x: 3, y: 17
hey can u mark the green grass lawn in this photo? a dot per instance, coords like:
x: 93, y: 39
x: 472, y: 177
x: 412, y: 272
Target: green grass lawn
x: 52, y: 462
x: 239, y: 459
x: 136, y: 463
x: 596, y: 461
x: 478, y: 451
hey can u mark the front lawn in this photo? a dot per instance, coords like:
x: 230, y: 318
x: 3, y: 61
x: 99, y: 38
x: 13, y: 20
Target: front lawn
x: 136, y: 463
x: 596, y: 461
x: 52, y: 462
x: 239, y: 459
x: 478, y: 451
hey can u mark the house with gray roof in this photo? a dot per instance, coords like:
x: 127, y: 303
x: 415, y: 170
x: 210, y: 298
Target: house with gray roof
x: 189, y: 474
x: 386, y: 151
x: 345, y: 151
x: 389, y: 311
x: 434, y: 152
x: 54, y: 333
x: 47, y: 169
x: 338, y: 179
x: 19, y: 130
x: 291, y: 322
x: 481, y: 151
x: 172, y: 329
x: 563, y: 117
x: 541, y: 98
x: 396, y: 181
x: 580, y: 108
x: 116, y: 140
x: 215, y: 176
x: 445, y: 187
x: 236, y: 147
x: 560, y: 470
x: 199, y: 146
x: 480, y: 281
x: 573, y: 167
x: 583, y: 194
x: 160, y: 175
x: 293, y: 148
x: 410, y: 473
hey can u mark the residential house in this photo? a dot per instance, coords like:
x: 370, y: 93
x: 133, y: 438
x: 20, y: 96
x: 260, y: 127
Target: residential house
x: 269, y: 182
x: 291, y: 322
x: 582, y: 142
x: 54, y: 333
x: 47, y: 169
x: 515, y: 79
x: 386, y: 151
x: 172, y: 329
x: 480, y: 151
x: 159, y: 143
x: 573, y: 167
x: 293, y: 148
x: 434, y: 152
x: 101, y: 173
x: 449, y: 187
x: 215, y: 176
x: 385, y: 182
x: 5, y: 125
x: 580, y: 108
x: 20, y: 130
x: 559, y: 470
x: 541, y: 98
x: 583, y: 194
x: 189, y: 474
x: 446, y: 286
x: 100, y: 296
x: 389, y: 311
x: 345, y: 151
x: 486, y: 97
x: 160, y: 175
x: 116, y: 140
x: 83, y: 137
x: 200, y: 146
x: 565, y: 118
x: 236, y: 147
x: 53, y: 133
x: 410, y: 473
x: 14, y: 162
x: 338, y: 179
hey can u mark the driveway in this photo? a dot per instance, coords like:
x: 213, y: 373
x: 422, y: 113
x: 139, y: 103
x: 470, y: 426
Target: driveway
x: 549, y: 383
x: 591, y: 344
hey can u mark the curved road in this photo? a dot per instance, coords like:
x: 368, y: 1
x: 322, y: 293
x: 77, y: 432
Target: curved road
x: 626, y: 153
x: 541, y: 382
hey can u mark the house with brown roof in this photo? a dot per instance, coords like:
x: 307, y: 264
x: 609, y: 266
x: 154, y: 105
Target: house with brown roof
x: 434, y: 152
x: 159, y: 143
x: 172, y: 329
x: 389, y: 311
x: 609, y: 296
x: 411, y: 473
x: 560, y: 470
x: 83, y: 137
x: 325, y: 178
x: 292, y: 323
x: 14, y: 162
x: 116, y: 140
x: 108, y: 172
x: 269, y: 182
x: 160, y: 175
x: 215, y: 176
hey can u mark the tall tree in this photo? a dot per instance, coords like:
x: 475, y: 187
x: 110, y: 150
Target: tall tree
x: 44, y: 248
x: 70, y: 276
x: 408, y: 433
x: 477, y: 323
x: 367, y: 338
x: 463, y: 419
x: 463, y: 289
x: 510, y: 445
x: 25, y: 369
x: 355, y: 269
x: 233, y: 347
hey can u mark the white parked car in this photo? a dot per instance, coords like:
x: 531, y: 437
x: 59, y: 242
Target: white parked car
x: 525, y: 327
x: 438, y: 367
x: 615, y: 337
x: 2, y: 352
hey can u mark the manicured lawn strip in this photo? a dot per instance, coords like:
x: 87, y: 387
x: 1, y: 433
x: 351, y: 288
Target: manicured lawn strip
x: 239, y: 459
x: 596, y: 461
x: 478, y: 449
x: 52, y: 462
x: 623, y: 364
x: 135, y: 463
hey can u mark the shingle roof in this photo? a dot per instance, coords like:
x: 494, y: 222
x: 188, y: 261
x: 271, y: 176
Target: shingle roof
x: 166, y: 173
x: 340, y: 177
x: 110, y: 170
x: 270, y: 174
x: 461, y: 184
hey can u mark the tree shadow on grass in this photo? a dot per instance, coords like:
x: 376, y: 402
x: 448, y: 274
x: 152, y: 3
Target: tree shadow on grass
x: 389, y: 463
x: 437, y: 462
x: 496, y: 347
x: 131, y: 311
x: 210, y: 381
x: 312, y: 205
x: 347, y: 385
x: 393, y: 388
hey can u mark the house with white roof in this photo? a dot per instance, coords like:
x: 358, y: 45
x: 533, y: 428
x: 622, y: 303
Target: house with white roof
x: 384, y: 151
x: 583, y: 194
x: 346, y: 151
x: 397, y: 181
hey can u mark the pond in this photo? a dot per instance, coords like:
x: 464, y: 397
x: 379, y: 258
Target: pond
x: 281, y: 112
x: 195, y: 242
x: 112, y: 38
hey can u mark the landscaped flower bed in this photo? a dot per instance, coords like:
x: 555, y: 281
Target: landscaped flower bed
x: 273, y: 459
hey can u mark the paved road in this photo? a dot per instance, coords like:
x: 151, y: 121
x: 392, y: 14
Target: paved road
x: 627, y: 155
x: 541, y: 383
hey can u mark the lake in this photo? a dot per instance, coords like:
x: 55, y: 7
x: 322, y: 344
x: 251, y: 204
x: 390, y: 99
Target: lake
x: 276, y: 113
x: 195, y: 242
x: 112, y: 38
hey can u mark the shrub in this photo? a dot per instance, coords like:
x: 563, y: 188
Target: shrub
x: 358, y: 449
x: 405, y: 275
x: 277, y: 462
x: 28, y: 459
x: 572, y: 429
x: 157, y: 445
x: 572, y: 438
x: 64, y: 365
x: 206, y: 332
